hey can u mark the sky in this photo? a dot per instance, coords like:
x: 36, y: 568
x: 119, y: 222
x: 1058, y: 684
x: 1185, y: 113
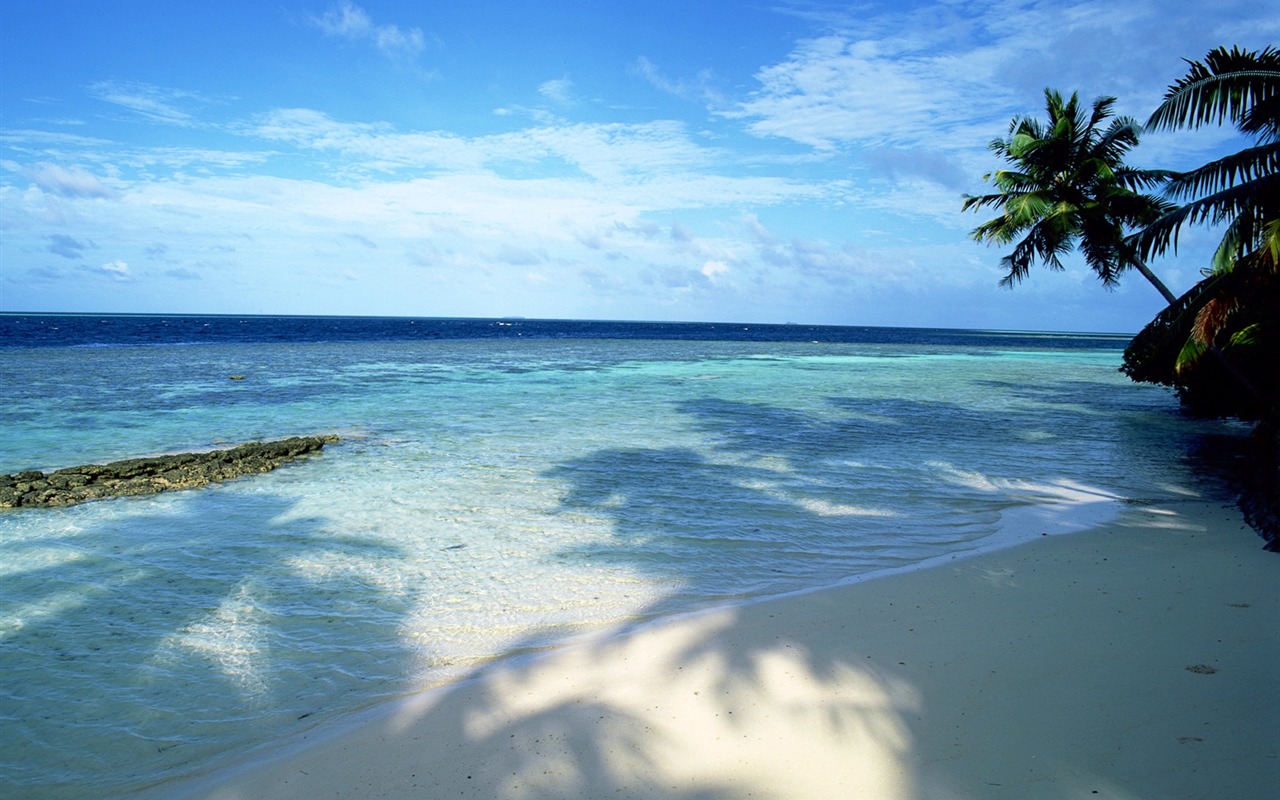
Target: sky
x: 703, y: 160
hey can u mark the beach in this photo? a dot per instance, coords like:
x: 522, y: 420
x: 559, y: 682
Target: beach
x: 1133, y: 660
x: 581, y: 567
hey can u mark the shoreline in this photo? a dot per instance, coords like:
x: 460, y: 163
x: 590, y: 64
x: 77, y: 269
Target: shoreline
x: 1134, y: 659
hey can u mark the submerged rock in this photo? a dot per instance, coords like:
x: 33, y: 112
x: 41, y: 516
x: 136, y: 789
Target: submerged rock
x: 139, y: 476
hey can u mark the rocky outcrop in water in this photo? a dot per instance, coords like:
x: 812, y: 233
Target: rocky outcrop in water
x: 138, y: 476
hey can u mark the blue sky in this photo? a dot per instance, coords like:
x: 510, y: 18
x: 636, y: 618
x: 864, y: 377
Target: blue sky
x: 769, y: 161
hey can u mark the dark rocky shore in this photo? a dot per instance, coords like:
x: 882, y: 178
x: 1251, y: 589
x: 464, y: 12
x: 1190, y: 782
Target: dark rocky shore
x: 140, y: 476
x: 1259, y: 483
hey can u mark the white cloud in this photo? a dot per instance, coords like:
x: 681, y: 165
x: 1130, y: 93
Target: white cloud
x: 117, y: 270
x: 838, y: 89
x: 700, y: 88
x: 605, y: 152
x: 349, y: 21
x: 558, y: 91
x: 841, y: 265
x: 156, y: 103
x: 113, y: 160
x: 945, y: 75
x: 715, y: 270
x: 69, y: 182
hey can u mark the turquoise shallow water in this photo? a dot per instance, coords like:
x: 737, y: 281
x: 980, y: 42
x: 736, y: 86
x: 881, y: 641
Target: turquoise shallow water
x: 489, y: 498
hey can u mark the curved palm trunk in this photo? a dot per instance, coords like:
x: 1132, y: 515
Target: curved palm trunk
x: 1169, y: 297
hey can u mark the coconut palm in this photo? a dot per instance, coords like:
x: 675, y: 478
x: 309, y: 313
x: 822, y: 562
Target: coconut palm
x: 1234, y: 313
x: 1068, y: 188
x: 1241, y: 190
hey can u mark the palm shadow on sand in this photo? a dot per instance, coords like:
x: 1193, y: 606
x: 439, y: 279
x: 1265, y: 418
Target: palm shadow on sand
x: 730, y: 702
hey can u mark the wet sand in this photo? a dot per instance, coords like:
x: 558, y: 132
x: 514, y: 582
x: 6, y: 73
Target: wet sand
x: 1134, y: 660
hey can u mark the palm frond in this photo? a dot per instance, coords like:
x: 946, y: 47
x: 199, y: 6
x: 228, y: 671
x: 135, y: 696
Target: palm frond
x: 1271, y: 244
x: 1236, y: 206
x: 1190, y: 355
x: 981, y: 201
x: 1045, y: 242
x: 1213, y: 317
x: 1247, y: 336
x: 1135, y: 179
x: 1102, y: 108
x: 1119, y: 138
x: 1263, y: 120
x: 1250, y: 164
x: 1025, y: 209
x: 1224, y: 87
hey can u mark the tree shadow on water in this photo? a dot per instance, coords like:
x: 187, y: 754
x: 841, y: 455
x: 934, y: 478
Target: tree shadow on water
x: 734, y: 702
x: 709, y: 709
x: 147, y: 635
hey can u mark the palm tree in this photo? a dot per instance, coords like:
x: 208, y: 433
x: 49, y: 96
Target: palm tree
x: 1068, y: 188
x: 1242, y: 189
x: 1234, y: 313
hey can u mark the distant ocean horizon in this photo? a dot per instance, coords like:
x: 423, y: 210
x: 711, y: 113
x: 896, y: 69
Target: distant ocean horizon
x: 498, y: 486
x: 51, y: 329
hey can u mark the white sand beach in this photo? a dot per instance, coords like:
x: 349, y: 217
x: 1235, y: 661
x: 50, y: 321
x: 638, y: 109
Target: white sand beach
x: 1135, y: 660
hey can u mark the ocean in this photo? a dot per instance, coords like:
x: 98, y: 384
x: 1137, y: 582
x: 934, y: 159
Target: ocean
x: 498, y: 486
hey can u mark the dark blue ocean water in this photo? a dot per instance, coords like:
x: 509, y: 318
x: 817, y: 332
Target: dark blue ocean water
x: 83, y: 330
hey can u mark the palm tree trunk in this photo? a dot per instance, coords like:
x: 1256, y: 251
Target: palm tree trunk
x: 1169, y: 297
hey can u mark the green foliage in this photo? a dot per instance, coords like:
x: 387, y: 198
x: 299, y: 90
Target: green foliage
x: 1251, y: 335
x: 1240, y: 190
x: 1226, y: 329
x: 1233, y: 85
x: 1177, y: 350
x: 1067, y: 188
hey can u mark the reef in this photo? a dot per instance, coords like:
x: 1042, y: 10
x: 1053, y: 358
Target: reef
x: 143, y: 476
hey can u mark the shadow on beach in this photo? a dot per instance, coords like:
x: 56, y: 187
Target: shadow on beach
x: 1051, y: 672
x: 749, y: 700
x: 912, y: 687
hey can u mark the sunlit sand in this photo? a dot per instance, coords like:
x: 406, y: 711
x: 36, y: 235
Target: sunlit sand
x: 1134, y: 660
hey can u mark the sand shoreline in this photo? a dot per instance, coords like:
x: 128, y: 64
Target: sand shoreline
x: 1133, y: 660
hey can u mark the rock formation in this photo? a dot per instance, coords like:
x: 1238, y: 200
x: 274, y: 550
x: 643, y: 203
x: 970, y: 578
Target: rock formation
x: 138, y: 476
